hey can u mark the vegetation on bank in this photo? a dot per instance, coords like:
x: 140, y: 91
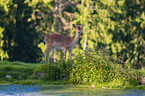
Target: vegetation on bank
x: 89, y: 68
x: 117, y: 25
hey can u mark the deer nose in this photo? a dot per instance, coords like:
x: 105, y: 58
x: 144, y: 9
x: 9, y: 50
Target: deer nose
x: 79, y: 32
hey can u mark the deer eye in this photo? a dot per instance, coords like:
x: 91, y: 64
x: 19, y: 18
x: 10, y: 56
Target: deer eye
x: 79, y: 28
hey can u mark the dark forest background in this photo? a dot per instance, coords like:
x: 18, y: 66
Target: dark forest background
x: 116, y: 25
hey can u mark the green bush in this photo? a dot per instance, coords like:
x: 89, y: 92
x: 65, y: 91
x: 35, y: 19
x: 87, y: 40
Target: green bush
x: 96, y: 67
x: 132, y: 76
x: 91, y: 67
x: 59, y: 70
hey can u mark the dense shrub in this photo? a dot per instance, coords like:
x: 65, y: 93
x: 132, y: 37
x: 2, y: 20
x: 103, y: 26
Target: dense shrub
x: 91, y: 67
x: 96, y: 67
x: 56, y: 70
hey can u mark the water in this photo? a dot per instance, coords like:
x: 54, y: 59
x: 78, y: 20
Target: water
x: 18, y: 90
x: 60, y: 90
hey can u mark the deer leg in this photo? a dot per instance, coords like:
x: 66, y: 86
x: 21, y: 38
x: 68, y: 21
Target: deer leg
x: 70, y: 54
x: 45, y: 55
x: 47, y: 51
x: 54, y: 54
x: 64, y: 53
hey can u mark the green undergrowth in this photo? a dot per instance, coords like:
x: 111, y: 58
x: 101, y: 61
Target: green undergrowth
x: 12, y: 72
x: 89, y: 68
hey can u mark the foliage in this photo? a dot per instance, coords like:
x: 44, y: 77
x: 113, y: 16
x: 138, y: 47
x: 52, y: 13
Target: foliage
x: 3, y: 54
x: 92, y: 68
x: 56, y: 70
x: 19, y: 35
x: 88, y: 72
x: 96, y: 67
x: 116, y: 25
x: 17, y: 70
x: 113, y: 24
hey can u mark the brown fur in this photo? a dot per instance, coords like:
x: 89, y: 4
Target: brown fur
x: 58, y: 41
x: 63, y: 41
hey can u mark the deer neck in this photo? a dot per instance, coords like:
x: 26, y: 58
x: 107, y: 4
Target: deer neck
x: 76, y: 38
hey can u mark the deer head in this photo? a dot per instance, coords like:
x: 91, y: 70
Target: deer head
x: 78, y: 28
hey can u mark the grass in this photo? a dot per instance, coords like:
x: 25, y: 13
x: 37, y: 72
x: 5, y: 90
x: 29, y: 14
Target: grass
x: 20, y: 72
x: 24, y: 74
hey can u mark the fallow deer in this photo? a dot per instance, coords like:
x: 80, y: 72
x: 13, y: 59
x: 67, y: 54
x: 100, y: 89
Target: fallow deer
x: 58, y: 41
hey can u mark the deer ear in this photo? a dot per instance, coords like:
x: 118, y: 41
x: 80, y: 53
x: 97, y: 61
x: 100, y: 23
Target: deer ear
x: 74, y: 25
